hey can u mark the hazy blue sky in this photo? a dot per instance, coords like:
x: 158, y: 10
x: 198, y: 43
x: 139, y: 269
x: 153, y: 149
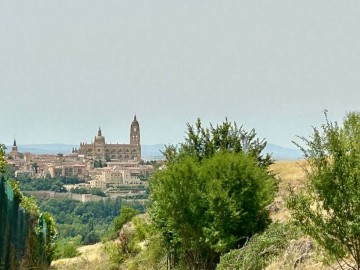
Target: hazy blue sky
x: 69, y: 66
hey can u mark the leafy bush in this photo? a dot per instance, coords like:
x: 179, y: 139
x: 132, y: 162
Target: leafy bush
x: 126, y: 214
x: 329, y: 209
x: 67, y: 248
x: 260, y: 249
x: 113, y: 251
x: 212, y: 194
x: 140, y: 246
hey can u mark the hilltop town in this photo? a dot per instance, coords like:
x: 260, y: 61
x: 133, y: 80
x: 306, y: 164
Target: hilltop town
x: 116, y: 169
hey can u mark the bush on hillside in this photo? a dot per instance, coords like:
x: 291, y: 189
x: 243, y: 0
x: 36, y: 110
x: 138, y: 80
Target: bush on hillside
x: 329, y: 209
x: 260, y: 249
x: 67, y: 248
x: 212, y: 194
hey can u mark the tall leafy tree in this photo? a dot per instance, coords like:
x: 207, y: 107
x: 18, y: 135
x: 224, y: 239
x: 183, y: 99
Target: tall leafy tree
x: 203, y: 142
x: 212, y: 195
x: 329, y: 209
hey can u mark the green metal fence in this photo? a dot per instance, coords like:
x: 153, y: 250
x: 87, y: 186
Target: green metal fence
x: 17, y: 231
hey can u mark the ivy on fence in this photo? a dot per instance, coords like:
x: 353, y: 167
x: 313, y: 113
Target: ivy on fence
x: 26, y: 236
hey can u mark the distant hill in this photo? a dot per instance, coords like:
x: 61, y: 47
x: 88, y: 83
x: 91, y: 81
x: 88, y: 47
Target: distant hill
x: 149, y: 152
x: 283, y: 153
x: 153, y: 151
x: 44, y: 148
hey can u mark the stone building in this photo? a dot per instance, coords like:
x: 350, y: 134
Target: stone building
x: 70, y: 170
x: 14, y: 151
x: 122, y: 152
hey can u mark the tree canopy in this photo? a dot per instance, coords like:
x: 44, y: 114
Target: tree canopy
x: 203, y: 142
x: 329, y: 209
x: 212, y: 194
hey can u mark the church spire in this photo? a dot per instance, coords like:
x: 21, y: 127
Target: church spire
x: 99, y: 132
x: 14, y: 148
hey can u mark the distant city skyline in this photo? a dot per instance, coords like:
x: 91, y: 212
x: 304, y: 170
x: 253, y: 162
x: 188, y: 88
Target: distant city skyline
x: 68, y: 67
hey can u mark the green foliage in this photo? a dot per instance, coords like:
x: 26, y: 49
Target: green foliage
x: 70, y: 180
x: 329, y: 209
x: 99, y: 164
x: 212, y: 195
x: 93, y: 191
x: 2, y: 158
x: 91, y: 220
x: 126, y: 214
x: 142, y: 228
x: 29, y: 184
x: 91, y: 238
x: 202, y: 142
x: 113, y: 251
x: 155, y: 252
x: 28, y: 203
x: 67, y: 248
x: 258, y: 252
x: 140, y: 246
x: 127, y: 247
x: 9, y: 172
x: 238, y: 192
x: 32, y: 234
x: 52, y: 235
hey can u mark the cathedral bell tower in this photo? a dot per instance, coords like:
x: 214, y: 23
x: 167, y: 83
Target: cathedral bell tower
x: 14, y: 147
x: 14, y: 151
x: 135, y: 139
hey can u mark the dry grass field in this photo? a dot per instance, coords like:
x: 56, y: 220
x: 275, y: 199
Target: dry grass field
x: 91, y: 257
x: 302, y: 254
x: 290, y: 175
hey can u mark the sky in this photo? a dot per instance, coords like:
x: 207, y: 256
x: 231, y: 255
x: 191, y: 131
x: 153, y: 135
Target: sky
x: 68, y: 67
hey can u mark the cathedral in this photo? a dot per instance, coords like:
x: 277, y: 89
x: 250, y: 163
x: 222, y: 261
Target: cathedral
x: 123, y: 152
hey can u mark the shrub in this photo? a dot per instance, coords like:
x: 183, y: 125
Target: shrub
x: 67, y: 248
x: 329, y: 209
x: 260, y: 249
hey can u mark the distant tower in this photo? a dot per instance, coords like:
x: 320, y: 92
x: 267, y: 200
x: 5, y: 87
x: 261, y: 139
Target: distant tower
x: 14, y: 151
x: 99, y: 144
x: 14, y: 147
x: 135, y: 139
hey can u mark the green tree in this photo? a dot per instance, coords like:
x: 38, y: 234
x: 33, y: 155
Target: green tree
x: 91, y: 238
x: 126, y: 214
x: 202, y: 142
x: 329, y: 208
x: 212, y: 195
x: 67, y: 248
x: 98, y: 164
x: 35, y: 167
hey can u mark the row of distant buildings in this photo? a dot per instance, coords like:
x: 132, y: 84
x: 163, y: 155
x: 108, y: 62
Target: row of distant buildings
x: 123, y: 166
